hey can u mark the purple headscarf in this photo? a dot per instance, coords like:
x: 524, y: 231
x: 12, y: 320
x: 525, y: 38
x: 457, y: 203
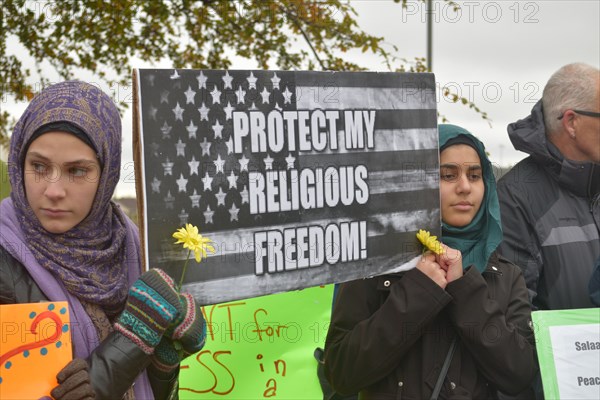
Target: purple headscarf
x: 88, y: 259
x: 97, y: 260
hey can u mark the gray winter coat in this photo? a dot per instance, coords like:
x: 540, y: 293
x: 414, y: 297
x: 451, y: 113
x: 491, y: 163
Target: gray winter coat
x: 550, y: 209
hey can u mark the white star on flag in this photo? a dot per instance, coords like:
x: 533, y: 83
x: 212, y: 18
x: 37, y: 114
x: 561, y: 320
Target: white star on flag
x: 275, y: 79
x: 287, y: 96
x: 290, y: 160
x: 189, y: 95
x: 182, y: 183
x: 216, y: 95
x: 164, y: 96
x: 154, y: 146
x: 229, y: 144
x: 203, y: 112
x: 240, y: 94
x: 244, y: 163
x: 205, y: 145
x: 208, y: 215
x: 265, y: 95
x: 175, y: 75
x: 168, y: 167
x: 219, y: 164
x: 166, y: 130
x: 245, y: 195
x: 183, y: 217
x: 220, y: 197
x: 233, y: 212
x: 232, y: 178
x: 191, y: 130
x: 194, y: 166
x: 207, y: 182
x: 228, y: 110
x: 227, y: 79
x: 218, y: 129
x: 195, y: 198
x: 202, y: 81
x: 155, y: 185
x: 268, y: 162
x: 178, y: 111
x: 150, y: 79
x: 180, y: 146
x: 251, y: 81
x: 169, y: 199
x: 152, y: 112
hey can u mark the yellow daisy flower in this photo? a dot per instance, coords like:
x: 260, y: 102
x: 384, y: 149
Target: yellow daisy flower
x: 194, y: 241
x: 430, y: 242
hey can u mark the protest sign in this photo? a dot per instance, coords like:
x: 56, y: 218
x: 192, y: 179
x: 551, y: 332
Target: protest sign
x: 35, y: 345
x: 568, y: 348
x: 260, y: 348
x: 300, y: 178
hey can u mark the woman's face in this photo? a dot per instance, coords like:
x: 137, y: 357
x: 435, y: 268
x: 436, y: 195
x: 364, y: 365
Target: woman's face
x: 61, y: 176
x: 461, y: 184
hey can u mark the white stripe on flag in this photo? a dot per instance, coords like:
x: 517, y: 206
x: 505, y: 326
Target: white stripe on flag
x: 402, y: 181
x: 361, y: 98
x: 389, y: 140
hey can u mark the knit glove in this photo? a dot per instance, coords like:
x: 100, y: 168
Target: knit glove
x: 152, y: 305
x: 74, y: 382
x: 185, y: 337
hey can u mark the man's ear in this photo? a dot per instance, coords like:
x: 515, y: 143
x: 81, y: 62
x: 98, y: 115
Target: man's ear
x: 568, y: 123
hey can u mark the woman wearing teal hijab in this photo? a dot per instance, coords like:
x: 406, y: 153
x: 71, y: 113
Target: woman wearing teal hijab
x: 478, y: 239
x: 455, y: 327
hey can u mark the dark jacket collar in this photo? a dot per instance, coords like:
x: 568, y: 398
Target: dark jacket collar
x: 529, y: 135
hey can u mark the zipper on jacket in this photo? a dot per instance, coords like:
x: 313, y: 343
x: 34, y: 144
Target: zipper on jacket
x: 594, y: 199
x: 594, y: 204
x: 493, y: 270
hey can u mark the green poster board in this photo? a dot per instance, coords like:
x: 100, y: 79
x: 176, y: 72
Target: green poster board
x: 260, y: 348
x: 568, y: 347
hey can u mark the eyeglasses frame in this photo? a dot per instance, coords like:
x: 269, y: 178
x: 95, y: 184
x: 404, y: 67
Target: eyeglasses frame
x: 581, y: 112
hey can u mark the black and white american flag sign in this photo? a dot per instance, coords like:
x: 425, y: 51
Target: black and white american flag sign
x: 330, y: 174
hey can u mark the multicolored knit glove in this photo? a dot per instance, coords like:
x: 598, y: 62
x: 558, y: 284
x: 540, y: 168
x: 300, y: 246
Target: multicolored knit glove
x: 165, y: 358
x: 152, y: 306
x: 184, y: 337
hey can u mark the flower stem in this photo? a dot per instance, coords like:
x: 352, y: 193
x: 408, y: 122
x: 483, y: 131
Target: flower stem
x: 183, y: 272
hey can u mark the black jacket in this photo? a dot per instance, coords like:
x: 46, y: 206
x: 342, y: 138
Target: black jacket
x: 114, y: 364
x: 389, y: 335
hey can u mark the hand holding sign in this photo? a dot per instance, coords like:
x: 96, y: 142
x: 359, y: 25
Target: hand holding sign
x: 74, y: 382
x: 35, y: 336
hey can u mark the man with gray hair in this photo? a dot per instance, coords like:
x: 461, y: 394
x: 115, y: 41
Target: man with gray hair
x: 550, y: 201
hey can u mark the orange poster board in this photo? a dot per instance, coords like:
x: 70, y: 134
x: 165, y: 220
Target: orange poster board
x: 35, y: 344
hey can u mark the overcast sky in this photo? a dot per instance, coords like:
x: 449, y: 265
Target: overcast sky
x: 498, y: 54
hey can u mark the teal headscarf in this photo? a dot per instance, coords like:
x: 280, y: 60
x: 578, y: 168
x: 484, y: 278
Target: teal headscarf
x: 478, y: 240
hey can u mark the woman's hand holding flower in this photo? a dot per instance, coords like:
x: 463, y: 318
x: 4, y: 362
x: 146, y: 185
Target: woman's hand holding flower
x: 187, y: 333
x: 184, y: 337
x: 428, y: 265
x: 450, y: 261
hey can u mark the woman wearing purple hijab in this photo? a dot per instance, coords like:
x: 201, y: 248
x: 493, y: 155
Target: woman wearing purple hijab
x: 63, y: 239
